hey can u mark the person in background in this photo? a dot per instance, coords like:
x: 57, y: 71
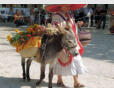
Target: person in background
x: 16, y: 18
x: 76, y: 15
x: 48, y: 18
x: 97, y: 17
x: 22, y: 13
x: 36, y: 17
x: 42, y: 16
x: 19, y: 19
x: 32, y: 15
x: 89, y: 15
x: 10, y: 15
x: 3, y: 15
x: 103, y: 13
x: 82, y: 15
x: 92, y: 16
x: 27, y: 17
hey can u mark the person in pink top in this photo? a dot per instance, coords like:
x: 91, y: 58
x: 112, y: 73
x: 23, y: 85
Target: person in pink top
x: 68, y: 64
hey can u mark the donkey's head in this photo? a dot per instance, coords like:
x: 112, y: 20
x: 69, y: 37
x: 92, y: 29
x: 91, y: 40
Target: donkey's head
x: 68, y: 40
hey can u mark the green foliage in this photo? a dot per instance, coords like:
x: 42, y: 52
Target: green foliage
x: 19, y: 38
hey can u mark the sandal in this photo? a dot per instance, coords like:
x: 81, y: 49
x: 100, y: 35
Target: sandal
x: 60, y: 85
x: 79, y: 86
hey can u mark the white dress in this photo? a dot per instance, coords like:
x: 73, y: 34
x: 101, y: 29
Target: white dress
x: 76, y: 66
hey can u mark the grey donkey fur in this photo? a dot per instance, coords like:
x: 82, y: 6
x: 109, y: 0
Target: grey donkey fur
x: 64, y: 39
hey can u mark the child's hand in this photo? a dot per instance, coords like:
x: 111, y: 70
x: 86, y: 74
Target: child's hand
x: 80, y: 23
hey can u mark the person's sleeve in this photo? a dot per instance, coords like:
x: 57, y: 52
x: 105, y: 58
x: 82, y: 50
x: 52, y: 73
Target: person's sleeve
x: 91, y: 11
x: 77, y: 29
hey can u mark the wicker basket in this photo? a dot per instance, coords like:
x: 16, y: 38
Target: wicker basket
x: 85, y: 37
x: 32, y: 42
x: 112, y: 30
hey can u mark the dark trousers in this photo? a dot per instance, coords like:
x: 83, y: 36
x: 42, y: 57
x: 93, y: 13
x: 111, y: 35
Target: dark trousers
x: 20, y: 22
x: 91, y: 20
x: 103, y: 19
x: 97, y: 19
x: 10, y: 18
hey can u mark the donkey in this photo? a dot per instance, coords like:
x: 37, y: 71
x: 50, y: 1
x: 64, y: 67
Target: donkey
x: 64, y: 39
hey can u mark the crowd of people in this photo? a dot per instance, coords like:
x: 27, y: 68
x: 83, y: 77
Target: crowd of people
x: 19, y: 17
x: 42, y: 17
x: 96, y: 16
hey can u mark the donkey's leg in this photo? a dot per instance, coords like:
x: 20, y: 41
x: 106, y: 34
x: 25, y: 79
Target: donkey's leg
x: 23, y: 67
x: 28, y: 68
x: 42, y: 73
x: 50, y: 77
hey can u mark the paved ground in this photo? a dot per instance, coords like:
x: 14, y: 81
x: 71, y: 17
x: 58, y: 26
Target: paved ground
x: 98, y: 57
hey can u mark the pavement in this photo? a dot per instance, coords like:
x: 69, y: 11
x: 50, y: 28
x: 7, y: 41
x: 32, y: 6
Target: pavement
x: 98, y: 58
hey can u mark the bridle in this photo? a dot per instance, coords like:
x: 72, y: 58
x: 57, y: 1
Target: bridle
x: 68, y: 48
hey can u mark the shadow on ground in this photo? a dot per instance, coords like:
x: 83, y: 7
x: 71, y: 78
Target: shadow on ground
x: 10, y: 50
x: 4, y: 44
x: 6, y: 82
x: 7, y: 24
x: 2, y: 38
x: 101, y: 47
x: 12, y: 27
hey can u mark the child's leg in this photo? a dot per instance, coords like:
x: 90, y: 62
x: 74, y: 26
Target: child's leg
x: 75, y: 79
x: 76, y: 82
x: 60, y: 81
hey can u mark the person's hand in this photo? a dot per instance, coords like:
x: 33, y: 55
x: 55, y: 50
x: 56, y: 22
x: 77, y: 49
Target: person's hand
x: 80, y: 23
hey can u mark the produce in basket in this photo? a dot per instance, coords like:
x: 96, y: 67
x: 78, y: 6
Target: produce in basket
x: 31, y: 37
